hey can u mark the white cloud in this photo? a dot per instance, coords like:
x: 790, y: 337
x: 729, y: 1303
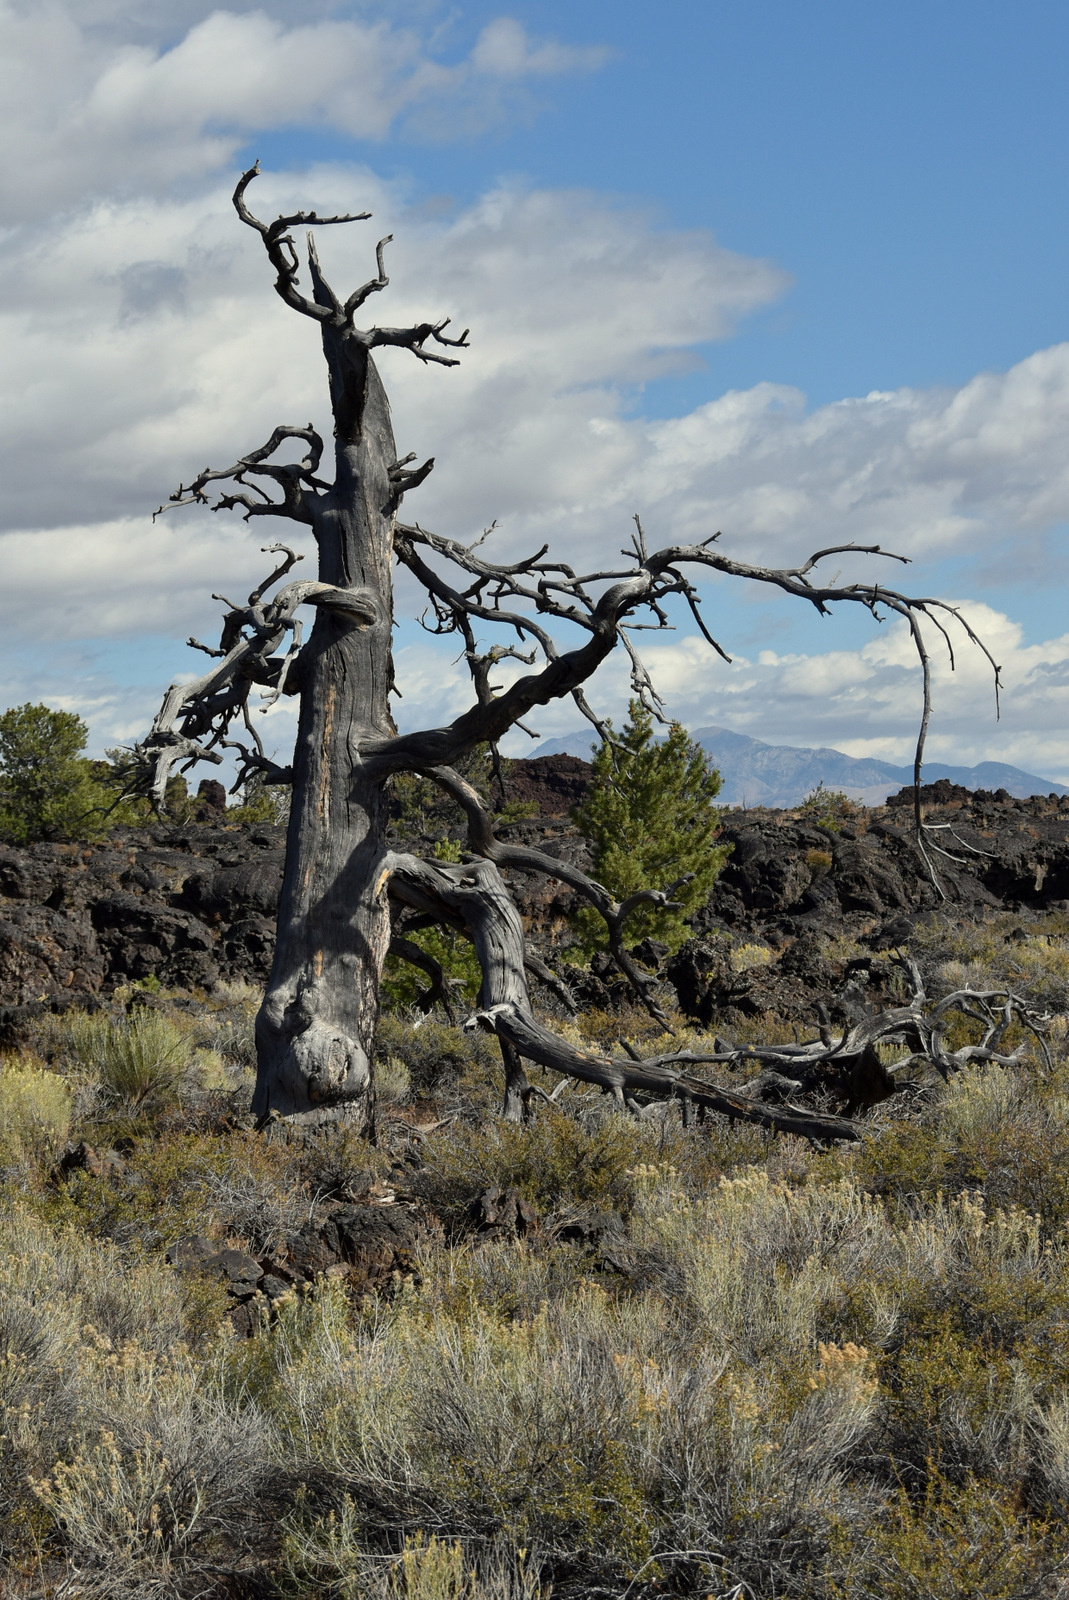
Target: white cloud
x: 926, y: 473
x: 867, y: 701
x: 87, y: 111
x: 140, y: 339
x: 504, y: 49
x: 863, y: 701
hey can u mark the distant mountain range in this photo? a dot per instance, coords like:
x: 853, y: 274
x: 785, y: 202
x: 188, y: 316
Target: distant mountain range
x: 757, y: 774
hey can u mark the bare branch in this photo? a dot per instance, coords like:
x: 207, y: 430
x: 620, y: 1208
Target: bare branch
x: 477, y: 894
x: 280, y: 571
x: 196, y: 717
x: 373, y: 285
x: 325, y: 306
x: 402, y: 480
x: 484, y: 843
x: 415, y: 338
x: 507, y: 595
x: 416, y: 956
x: 253, y: 761
x: 294, y: 478
x: 278, y: 243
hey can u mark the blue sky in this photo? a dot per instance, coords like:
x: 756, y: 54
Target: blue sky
x: 906, y: 164
x: 791, y: 206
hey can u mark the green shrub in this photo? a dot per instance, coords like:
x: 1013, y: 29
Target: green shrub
x: 69, y: 1306
x: 393, y: 1081
x: 837, y: 1375
x: 586, y: 1431
x: 171, y: 1184
x: 650, y: 817
x: 439, y: 1055
x: 403, y: 983
x: 1004, y: 1132
x: 227, y: 1023
x: 332, y: 1557
x: 829, y: 808
x: 48, y: 790
x: 964, y: 1542
x: 557, y: 1161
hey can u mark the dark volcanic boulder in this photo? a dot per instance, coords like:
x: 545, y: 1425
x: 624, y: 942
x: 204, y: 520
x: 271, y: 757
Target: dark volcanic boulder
x: 553, y: 783
x: 26, y: 876
x: 940, y: 793
x: 43, y: 953
x: 195, y: 904
x: 704, y: 980
x: 763, y: 871
x: 500, y: 1213
x: 1027, y: 871
x: 231, y: 892
x: 184, y: 905
x: 376, y: 1243
x: 866, y: 880
x: 246, y: 949
x: 142, y: 938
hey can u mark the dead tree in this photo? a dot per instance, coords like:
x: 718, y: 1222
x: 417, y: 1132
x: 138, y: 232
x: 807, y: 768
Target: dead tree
x: 316, y: 1026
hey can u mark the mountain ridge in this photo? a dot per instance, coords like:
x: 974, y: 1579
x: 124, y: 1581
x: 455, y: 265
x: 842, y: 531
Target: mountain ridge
x: 754, y: 773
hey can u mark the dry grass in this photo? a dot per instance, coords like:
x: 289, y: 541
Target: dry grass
x: 837, y: 1375
x: 135, y: 1063
x: 35, y: 1109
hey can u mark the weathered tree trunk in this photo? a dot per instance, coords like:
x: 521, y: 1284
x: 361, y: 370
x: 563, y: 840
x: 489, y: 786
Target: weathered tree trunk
x: 317, y: 1022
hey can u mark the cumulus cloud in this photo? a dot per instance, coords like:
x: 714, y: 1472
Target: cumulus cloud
x: 89, y: 111
x: 141, y: 339
x: 864, y: 701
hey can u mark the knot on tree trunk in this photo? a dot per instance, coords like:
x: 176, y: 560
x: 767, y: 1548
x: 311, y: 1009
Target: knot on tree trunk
x: 323, y: 1076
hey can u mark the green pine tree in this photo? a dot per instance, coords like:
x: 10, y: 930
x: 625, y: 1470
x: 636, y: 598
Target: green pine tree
x: 650, y: 817
x: 48, y: 790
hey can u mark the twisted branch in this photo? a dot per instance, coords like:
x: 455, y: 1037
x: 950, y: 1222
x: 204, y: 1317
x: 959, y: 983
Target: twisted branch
x: 474, y: 896
x: 294, y: 479
x: 325, y: 306
x: 195, y: 718
x: 601, y: 604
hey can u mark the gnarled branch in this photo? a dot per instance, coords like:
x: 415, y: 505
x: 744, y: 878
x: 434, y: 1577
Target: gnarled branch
x: 295, y: 479
x: 484, y: 843
x: 476, y: 894
x: 325, y: 306
x: 195, y: 717
x: 601, y: 603
x: 278, y: 242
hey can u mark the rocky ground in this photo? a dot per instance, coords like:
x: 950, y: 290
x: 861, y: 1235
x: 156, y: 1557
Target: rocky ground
x: 193, y: 906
